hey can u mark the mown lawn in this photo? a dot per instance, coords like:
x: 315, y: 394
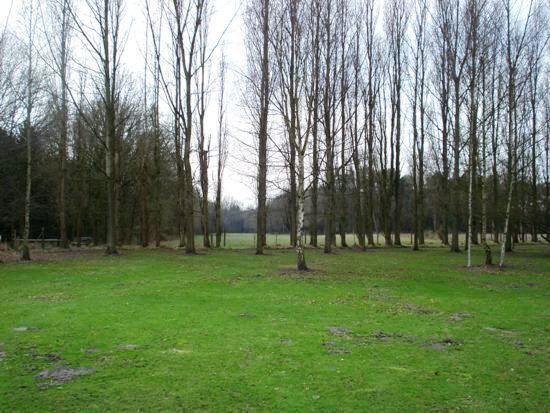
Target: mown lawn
x: 383, y: 330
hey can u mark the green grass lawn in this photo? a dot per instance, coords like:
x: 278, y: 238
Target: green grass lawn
x: 382, y: 330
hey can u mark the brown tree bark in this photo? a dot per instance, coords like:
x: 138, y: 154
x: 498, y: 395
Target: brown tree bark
x: 261, y: 218
x: 25, y: 250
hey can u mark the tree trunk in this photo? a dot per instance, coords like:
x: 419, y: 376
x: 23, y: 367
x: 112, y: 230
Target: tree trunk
x: 110, y: 132
x: 485, y: 244
x: 262, y: 135
x: 300, y: 256
x: 455, y: 193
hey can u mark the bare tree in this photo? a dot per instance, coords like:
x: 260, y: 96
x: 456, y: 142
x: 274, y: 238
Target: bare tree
x: 516, y: 39
x: 58, y: 32
x: 546, y: 131
x: 315, y: 28
x: 442, y: 46
x: 535, y: 55
x: 456, y: 62
x: 203, y: 144
x: 418, y: 109
x: 222, y: 150
x: 258, y: 37
x: 290, y: 48
x: 396, y: 27
x: 474, y: 10
x: 488, y: 63
x: 29, y: 98
x: 485, y: 115
x: 328, y: 90
x: 185, y: 24
x: 155, y: 121
x: 105, y: 49
x: 370, y: 96
x: 343, y: 19
x: 357, y: 134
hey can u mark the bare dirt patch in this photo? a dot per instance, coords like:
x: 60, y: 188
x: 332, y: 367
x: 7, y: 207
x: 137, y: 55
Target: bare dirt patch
x: 384, y: 336
x: 89, y: 350
x: 52, y: 298
x: 461, y: 316
x: 500, y: 331
x: 128, y: 346
x: 50, y: 357
x: 61, y: 374
x: 513, y: 338
x: 339, y: 350
x: 442, y: 344
x: 333, y: 348
x: 381, y: 294
x: 52, y: 255
x: 291, y: 272
x: 339, y: 331
x: 416, y: 309
x: 514, y: 286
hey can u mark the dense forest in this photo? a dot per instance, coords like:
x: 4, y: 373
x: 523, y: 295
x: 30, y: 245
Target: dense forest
x: 365, y: 117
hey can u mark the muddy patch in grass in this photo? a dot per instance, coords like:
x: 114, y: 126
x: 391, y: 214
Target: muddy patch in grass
x: 461, y: 316
x: 52, y: 255
x: 344, y: 300
x: 416, y: 309
x: 339, y: 331
x: 127, y: 346
x: 291, y: 272
x: 381, y: 294
x: 52, y: 298
x: 384, y: 336
x: 442, y: 344
x: 61, y: 374
x: 49, y: 357
x: 89, y: 350
x: 338, y: 350
x: 512, y: 338
x: 500, y: 331
x: 513, y: 286
x: 332, y: 347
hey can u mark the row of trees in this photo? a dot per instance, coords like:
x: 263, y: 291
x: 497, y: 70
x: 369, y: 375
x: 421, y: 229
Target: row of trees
x: 99, y: 134
x: 367, y: 117
x: 354, y: 93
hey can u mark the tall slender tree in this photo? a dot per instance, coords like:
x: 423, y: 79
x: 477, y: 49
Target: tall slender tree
x: 29, y: 99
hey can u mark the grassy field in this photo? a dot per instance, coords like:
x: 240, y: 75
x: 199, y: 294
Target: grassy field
x: 382, y: 330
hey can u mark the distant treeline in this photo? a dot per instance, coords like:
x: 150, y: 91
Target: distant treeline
x: 86, y: 192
